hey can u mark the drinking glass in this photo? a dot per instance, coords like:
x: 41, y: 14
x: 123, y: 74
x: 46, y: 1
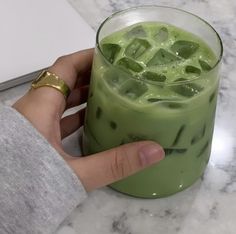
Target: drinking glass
x: 184, y: 127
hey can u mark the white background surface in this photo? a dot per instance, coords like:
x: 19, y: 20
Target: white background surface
x: 33, y: 33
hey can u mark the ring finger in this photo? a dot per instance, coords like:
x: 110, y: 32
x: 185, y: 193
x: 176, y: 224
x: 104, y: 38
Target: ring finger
x: 71, y: 123
x: 78, y: 96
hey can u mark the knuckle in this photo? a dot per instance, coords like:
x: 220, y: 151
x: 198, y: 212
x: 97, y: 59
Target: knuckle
x: 120, y: 166
x: 61, y: 59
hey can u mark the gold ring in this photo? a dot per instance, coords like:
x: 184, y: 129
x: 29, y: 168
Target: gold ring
x: 49, y: 79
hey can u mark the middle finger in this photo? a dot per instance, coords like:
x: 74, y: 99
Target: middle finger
x: 78, y: 96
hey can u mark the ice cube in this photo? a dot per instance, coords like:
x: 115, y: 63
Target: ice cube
x: 162, y: 57
x: 180, y: 79
x: 129, y: 64
x: 90, y: 94
x: 173, y: 105
x: 110, y: 51
x: 204, y: 65
x: 133, y: 89
x: 203, y: 149
x: 113, y: 125
x: 192, y: 69
x: 152, y: 76
x: 178, y: 135
x: 199, y: 135
x: 162, y: 35
x: 137, y: 47
x: 184, y: 49
x: 168, y: 103
x: 188, y: 89
x: 98, y: 112
x: 211, y: 98
x: 169, y: 151
x: 154, y: 99
x: 133, y: 137
x: 137, y: 31
x: 115, y: 77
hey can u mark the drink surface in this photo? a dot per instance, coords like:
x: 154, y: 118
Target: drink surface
x: 155, y: 83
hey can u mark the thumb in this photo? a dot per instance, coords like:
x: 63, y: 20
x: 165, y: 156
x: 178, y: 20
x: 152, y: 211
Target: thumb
x: 112, y: 165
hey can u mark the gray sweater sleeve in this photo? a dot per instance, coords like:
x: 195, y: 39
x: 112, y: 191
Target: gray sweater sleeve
x: 37, y: 188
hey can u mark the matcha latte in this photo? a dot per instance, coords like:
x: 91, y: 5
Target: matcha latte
x: 154, y: 81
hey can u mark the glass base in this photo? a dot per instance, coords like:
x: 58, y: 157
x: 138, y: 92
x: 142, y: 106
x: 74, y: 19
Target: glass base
x: 153, y: 195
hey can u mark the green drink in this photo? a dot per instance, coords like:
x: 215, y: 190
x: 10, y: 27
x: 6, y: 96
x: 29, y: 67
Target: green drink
x: 154, y: 81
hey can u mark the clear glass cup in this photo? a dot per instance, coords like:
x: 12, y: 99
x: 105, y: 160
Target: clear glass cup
x: 183, y: 127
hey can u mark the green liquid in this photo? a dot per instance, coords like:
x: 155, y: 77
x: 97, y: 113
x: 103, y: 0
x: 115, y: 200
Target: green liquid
x: 158, y: 85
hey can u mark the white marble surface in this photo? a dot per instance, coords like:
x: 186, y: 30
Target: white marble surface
x: 209, y: 206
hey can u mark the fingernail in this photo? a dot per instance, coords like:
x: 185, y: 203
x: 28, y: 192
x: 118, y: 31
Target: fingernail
x: 150, y: 154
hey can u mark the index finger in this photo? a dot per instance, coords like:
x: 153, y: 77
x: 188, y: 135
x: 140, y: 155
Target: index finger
x: 82, y: 60
x: 70, y: 67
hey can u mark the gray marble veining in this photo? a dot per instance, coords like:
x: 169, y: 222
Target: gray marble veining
x: 208, y: 207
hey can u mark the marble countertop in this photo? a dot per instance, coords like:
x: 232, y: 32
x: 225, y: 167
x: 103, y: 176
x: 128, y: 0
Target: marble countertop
x: 208, y: 207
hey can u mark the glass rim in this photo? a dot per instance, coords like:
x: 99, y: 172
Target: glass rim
x: 219, y: 58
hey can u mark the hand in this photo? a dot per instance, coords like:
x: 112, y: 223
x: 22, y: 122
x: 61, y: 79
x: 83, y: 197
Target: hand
x: 44, y: 108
